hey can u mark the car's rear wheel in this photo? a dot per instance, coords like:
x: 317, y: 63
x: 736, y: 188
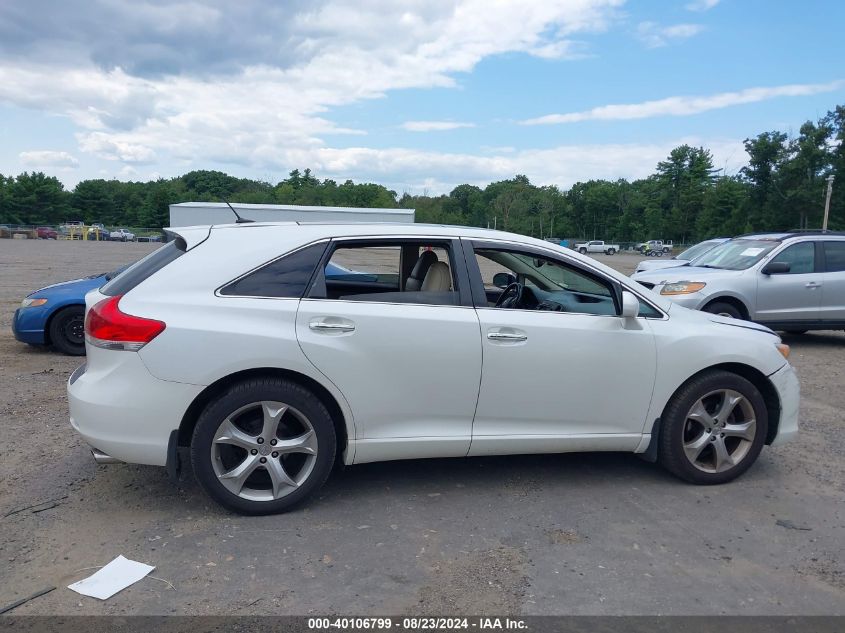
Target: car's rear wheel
x: 713, y: 429
x: 611, y: 251
x: 723, y: 309
x: 67, y: 330
x: 263, y: 446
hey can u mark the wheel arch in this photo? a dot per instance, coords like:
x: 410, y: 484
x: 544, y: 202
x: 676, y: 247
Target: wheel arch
x: 192, y: 413
x: 756, y: 378
x: 738, y: 303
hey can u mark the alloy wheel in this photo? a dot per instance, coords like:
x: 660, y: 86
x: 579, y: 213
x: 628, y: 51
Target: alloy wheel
x: 719, y: 430
x: 264, y: 451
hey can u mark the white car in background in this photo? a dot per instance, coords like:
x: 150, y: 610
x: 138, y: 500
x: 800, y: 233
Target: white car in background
x: 683, y: 258
x: 122, y: 235
x: 231, y: 349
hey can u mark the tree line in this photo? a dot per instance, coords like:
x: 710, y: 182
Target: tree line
x: 686, y: 199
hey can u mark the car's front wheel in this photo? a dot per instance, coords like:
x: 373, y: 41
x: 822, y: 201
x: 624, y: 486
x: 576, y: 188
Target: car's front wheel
x: 67, y: 330
x: 263, y: 446
x: 724, y: 309
x: 713, y: 429
x: 583, y: 251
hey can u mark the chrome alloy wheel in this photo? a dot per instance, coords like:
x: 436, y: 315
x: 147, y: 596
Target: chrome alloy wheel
x: 264, y: 451
x: 719, y: 430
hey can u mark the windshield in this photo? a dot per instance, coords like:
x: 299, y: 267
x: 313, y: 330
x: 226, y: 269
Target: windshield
x: 737, y: 254
x: 696, y: 251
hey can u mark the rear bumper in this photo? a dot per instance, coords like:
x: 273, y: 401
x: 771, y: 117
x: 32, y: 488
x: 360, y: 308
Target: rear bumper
x: 125, y: 413
x: 786, y: 383
x: 28, y: 326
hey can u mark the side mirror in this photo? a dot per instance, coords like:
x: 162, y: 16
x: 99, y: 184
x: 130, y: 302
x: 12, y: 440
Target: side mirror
x: 503, y: 280
x: 630, y: 305
x: 776, y: 268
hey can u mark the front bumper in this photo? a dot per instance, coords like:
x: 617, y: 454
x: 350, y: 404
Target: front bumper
x: 786, y: 383
x: 120, y: 409
x: 28, y: 326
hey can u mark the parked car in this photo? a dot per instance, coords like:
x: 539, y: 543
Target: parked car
x: 597, y: 246
x: 54, y: 315
x: 682, y: 259
x: 231, y: 350
x: 656, y: 246
x: 46, y: 233
x: 786, y: 281
x: 122, y: 235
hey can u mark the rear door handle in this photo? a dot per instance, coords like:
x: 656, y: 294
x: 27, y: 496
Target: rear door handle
x: 812, y: 284
x: 331, y: 324
x: 507, y: 335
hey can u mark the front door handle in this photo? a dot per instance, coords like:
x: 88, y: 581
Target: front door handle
x: 812, y: 284
x: 507, y: 336
x: 330, y: 325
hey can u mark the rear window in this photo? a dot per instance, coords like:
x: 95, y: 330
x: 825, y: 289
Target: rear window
x: 286, y: 277
x: 834, y: 254
x: 144, y: 268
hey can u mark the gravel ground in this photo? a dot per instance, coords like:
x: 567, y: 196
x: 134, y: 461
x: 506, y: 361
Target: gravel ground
x: 558, y: 534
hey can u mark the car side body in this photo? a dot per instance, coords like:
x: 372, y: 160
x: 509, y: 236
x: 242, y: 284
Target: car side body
x: 808, y: 295
x: 407, y: 373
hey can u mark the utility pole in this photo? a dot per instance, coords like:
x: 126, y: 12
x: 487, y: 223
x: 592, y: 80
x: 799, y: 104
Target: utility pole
x: 827, y: 201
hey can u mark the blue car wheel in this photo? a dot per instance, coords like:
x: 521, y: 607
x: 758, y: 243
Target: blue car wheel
x: 67, y: 330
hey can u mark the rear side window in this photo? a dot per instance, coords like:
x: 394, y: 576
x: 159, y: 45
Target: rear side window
x: 145, y: 268
x: 834, y: 256
x: 286, y: 277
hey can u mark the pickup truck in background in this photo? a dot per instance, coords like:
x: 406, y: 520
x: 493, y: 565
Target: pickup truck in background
x: 655, y: 246
x: 597, y: 246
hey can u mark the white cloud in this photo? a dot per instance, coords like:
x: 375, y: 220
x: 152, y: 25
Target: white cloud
x: 438, y: 172
x: 47, y: 158
x: 268, y: 112
x: 434, y: 126
x: 654, y: 35
x: 684, y: 106
x: 702, y: 5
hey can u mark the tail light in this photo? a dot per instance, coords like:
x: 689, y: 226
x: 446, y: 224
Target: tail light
x: 107, y: 327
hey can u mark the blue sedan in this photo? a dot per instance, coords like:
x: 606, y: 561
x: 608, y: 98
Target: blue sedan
x: 55, y: 315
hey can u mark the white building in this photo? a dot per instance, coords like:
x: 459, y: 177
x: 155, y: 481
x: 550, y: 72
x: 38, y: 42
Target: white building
x: 201, y: 213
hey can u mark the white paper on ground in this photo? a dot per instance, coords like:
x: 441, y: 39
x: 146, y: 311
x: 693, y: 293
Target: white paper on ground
x: 114, y: 577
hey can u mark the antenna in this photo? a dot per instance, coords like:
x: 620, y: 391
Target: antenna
x: 240, y: 220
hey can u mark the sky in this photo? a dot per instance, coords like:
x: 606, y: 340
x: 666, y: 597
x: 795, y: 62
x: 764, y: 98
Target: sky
x: 419, y: 95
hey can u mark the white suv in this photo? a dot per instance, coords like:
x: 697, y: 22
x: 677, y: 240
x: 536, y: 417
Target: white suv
x: 264, y: 353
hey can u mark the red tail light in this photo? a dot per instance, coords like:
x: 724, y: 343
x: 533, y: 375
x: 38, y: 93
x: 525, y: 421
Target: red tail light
x: 106, y: 326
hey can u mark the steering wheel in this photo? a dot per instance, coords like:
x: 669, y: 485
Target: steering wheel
x: 511, y: 296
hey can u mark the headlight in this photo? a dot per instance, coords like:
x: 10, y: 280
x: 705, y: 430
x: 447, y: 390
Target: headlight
x: 32, y: 303
x: 682, y: 288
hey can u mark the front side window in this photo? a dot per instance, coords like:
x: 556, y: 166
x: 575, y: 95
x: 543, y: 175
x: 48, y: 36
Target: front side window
x: 800, y: 257
x: 834, y: 255
x: 525, y: 281
x: 286, y: 277
x: 405, y: 271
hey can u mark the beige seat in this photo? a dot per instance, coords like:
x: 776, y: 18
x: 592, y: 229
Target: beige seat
x: 438, y: 278
x: 424, y: 262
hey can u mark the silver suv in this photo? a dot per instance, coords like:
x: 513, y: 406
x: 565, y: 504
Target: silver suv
x: 787, y: 281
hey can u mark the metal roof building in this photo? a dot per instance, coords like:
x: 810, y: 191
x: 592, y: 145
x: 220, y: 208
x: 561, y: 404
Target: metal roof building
x: 201, y: 213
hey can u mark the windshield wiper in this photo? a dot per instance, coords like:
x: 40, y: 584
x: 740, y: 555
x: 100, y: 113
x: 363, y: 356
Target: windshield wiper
x: 711, y: 266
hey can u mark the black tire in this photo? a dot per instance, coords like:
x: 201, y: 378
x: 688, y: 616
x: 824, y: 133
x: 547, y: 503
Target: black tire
x: 796, y: 332
x: 241, y: 395
x: 67, y: 330
x: 671, y: 454
x: 583, y: 251
x: 611, y: 251
x: 723, y: 309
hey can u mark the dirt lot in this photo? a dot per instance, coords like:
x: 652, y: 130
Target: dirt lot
x: 567, y: 534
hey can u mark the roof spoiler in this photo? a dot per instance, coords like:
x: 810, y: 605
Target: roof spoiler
x: 192, y: 235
